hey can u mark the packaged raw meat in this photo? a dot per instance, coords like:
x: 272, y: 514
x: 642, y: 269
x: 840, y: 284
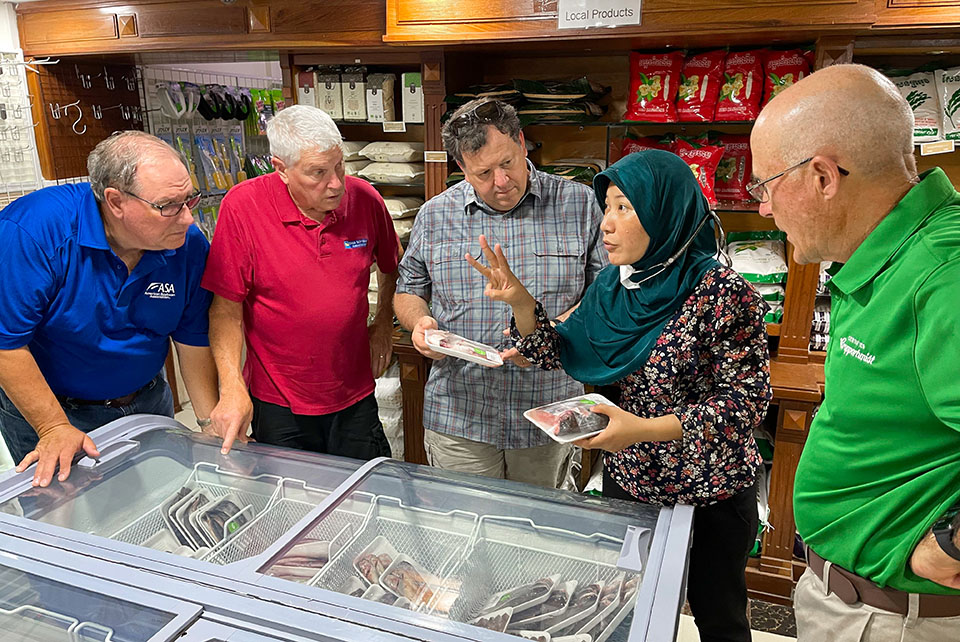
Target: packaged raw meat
x: 703, y: 161
x: 494, y: 621
x: 222, y: 518
x: 454, y: 345
x: 406, y: 578
x: 537, y: 636
x: 654, y: 79
x: 734, y: 170
x: 742, y: 87
x: 310, y: 553
x: 782, y: 69
x: 376, y: 594
x: 582, y: 606
x: 353, y: 586
x: 607, y: 605
x: 374, y: 559
x: 555, y: 605
x: 700, y: 86
x: 523, y: 597
x: 570, y: 419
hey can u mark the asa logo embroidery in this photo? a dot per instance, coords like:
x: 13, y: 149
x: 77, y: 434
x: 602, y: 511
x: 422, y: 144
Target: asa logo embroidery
x: 352, y: 245
x: 158, y: 290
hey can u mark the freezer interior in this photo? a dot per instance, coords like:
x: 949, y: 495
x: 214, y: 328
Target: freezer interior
x: 537, y: 564
x: 171, y: 490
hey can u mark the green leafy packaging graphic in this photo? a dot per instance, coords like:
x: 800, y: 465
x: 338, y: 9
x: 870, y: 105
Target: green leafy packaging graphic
x: 948, y: 90
x: 920, y: 92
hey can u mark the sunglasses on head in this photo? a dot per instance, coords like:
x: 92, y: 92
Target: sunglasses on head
x: 487, y: 112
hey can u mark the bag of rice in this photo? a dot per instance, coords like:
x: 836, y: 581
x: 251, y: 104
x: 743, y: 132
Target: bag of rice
x: 403, y: 206
x: 700, y: 86
x: 393, y: 152
x: 352, y: 168
x: 380, y: 100
x: 654, y: 79
x: 703, y: 161
x: 774, y: 314
x: 810, y: 55
x: 782, y: 69
x: 948, y: 90
x: 403, y: 227
x: 771, y: 292
x: 742, y: 86
x: 352, y: 148
x: 733, y: 172
x: 920, y: 91
x: 759, y: 257
x: 393, y: 173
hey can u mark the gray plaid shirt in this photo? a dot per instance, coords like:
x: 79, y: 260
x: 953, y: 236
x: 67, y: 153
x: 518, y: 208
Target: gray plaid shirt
x: 552, y: 241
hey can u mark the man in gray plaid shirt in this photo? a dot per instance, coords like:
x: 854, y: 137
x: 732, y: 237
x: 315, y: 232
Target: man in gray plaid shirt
x: 549, y: 229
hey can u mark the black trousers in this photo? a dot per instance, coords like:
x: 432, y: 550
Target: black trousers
x: 723, y: 534
x: 354, y: 432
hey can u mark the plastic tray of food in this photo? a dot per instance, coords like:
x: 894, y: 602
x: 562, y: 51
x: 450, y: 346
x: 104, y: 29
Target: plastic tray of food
x: 454, y: 345
x: 570, y: 419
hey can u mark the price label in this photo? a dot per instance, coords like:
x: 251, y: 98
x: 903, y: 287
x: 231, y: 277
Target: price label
x: 394, y: 126
x: 939, y: 147
x: 435, y: 157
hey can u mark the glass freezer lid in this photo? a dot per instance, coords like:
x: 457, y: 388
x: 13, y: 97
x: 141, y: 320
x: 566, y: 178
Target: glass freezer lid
x: 171, y: 489
x: 517, y: 559
x: 42, y: 603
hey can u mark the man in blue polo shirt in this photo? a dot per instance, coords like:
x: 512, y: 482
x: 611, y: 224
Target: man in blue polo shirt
x: 96, y: 278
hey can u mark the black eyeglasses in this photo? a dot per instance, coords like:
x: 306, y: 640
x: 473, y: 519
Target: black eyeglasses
x: 758, y: 189
x: 170, y: 209
x: 488, y: 112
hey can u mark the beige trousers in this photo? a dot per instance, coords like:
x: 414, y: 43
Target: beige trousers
x: 827, y: 618
x: 540, y: 466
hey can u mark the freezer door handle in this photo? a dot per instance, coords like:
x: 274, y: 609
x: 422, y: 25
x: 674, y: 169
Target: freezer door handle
x: 111, y: 453
x: 635, y: 549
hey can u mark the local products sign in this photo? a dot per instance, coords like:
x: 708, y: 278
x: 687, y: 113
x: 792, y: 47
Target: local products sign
x: 584, y: 14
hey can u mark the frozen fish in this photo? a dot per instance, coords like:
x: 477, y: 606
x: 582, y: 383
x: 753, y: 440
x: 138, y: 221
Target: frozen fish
x: 406, y: 581
x: 372, y: 566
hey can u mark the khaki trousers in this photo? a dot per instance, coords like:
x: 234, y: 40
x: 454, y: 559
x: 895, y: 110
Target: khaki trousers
x: 540, y: 466
x: 827, y: 618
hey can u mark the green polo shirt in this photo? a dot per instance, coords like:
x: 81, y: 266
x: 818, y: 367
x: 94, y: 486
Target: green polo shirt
x: 882, y: 460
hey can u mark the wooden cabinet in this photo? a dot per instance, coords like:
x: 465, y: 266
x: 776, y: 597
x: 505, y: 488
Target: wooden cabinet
x: 420, y: 20
x: 64, y: 27
x: 917, y: 13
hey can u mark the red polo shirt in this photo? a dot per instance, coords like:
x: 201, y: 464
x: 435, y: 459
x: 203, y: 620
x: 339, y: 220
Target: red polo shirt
x: 303, y: 285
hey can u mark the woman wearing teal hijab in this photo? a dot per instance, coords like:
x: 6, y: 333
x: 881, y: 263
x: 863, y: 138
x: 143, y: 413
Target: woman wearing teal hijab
x: 682, y: 337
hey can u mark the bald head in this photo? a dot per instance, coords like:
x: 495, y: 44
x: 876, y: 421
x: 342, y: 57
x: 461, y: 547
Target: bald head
x: 851, y: 113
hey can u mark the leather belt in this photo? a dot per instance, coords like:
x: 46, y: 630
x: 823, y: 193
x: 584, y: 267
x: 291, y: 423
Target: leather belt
x: 853, y: 589
x: 119, y: 402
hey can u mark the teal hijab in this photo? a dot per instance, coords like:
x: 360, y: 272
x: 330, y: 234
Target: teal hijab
x: 613, y: 331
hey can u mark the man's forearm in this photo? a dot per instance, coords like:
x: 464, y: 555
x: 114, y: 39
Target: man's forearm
x: 22, y: 381
x: 226, y: 342
x: 386, y: 287
x: 409, y: 309
x: 199, y: 374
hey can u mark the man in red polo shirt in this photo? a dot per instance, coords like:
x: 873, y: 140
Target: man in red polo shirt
x: 289, y: 268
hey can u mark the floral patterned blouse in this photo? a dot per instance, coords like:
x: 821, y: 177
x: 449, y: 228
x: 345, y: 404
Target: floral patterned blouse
x: 711, y: 368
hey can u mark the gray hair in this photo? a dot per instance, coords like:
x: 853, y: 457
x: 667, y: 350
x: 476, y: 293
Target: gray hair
x: 299, y: 128
x: 470, y: 137
x: 115, y: 159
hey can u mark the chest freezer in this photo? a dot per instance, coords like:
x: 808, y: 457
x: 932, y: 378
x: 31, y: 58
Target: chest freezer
x: 394, y: 547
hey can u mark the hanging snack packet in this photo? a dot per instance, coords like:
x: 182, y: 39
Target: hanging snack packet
x: 654, y: 79
x: 700, y: 86
x: 782, y: 69
x: 703, y: 162
x: 948, y: 89
x: 920, y: 92
x: 742, y: 86
x: 631, y: 145
x: 733, y: 171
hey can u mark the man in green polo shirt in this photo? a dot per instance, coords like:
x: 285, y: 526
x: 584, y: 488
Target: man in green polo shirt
x: 833, y: 162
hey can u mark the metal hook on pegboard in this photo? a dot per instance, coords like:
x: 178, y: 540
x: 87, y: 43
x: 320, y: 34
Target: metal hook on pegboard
x: 55, y: 112
x: 97, y: 112
x: 108, y: 79
x: 131, y: 82
x: 85, y: 80
x: 79, y: 118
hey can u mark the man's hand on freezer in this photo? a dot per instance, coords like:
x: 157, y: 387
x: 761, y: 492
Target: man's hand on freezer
x: 57, y: 446
x: 231, y: 417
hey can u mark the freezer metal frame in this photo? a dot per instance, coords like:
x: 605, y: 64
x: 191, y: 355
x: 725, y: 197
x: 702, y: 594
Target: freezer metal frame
x: 656, y: 606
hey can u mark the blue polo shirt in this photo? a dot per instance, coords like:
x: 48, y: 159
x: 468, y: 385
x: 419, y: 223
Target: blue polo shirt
x: 95, y: 331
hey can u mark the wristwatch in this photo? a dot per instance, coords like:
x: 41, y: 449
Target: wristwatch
x: 944, y: 530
